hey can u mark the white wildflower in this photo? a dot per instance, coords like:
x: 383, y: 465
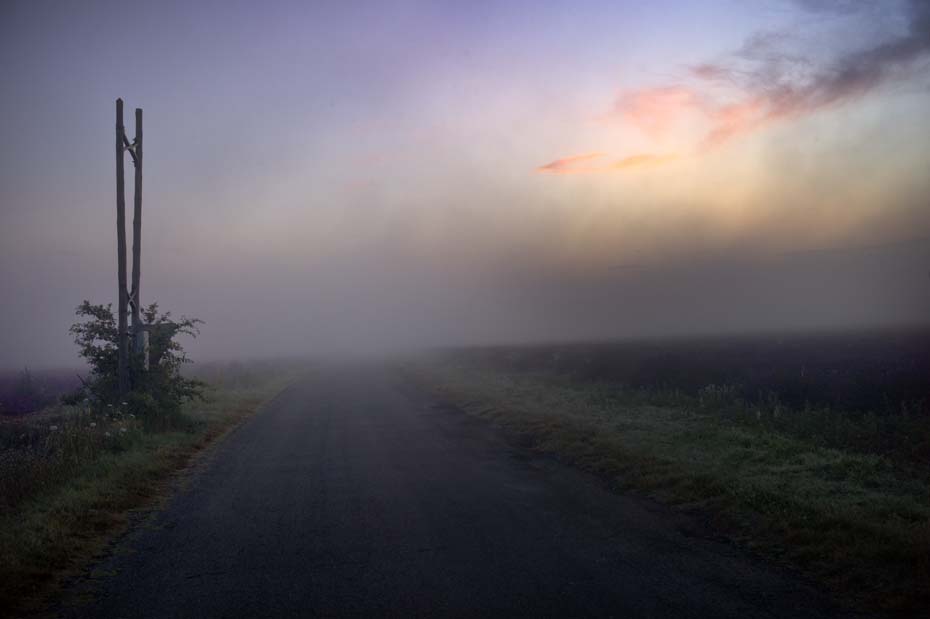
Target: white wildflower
x: 53, y: 428
x: 106, y: 434
x: 93, y: 424
x: 122, y: 430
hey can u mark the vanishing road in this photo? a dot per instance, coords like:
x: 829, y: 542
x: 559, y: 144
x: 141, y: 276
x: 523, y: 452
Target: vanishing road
x: 351, y: 495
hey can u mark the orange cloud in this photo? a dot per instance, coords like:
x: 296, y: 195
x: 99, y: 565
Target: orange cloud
x: 572, y: 165
x: 657, y: 110
x: 634, y: 161
x: 729, y: 121
x: 586, y: 163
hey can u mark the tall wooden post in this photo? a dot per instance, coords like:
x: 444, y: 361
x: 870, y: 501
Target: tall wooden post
x: 138, y: 347
x: 123, y: 335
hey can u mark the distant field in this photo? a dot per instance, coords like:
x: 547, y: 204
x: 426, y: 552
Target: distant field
x: 813, y: 449
x: 875, y: 371
x: 27, y: 390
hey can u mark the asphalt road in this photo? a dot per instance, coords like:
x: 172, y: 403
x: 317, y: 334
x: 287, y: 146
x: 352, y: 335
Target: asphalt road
x: 351, y: 495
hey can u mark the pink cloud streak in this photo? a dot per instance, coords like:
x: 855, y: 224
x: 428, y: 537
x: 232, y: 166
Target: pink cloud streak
x: 594, y: 163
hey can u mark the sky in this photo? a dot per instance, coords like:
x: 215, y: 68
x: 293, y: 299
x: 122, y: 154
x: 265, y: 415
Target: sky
x: 350, y: 176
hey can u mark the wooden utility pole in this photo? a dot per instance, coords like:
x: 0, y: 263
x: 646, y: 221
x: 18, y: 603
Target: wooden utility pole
x: 123, y: 335
x: 138, y: 344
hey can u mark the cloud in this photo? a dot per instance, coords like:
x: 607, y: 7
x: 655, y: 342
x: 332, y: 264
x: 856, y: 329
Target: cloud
x: 766, y: 81
x: 735, y: 119
x: 636, y: 161
x: 855, y: 73
x: 657, y: 110
x: 595, y: 163
x: 834, y: 6
x: 572, y: 165
x: 712, y: 72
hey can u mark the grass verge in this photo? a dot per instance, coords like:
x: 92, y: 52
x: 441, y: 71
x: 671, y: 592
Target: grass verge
x: 860, y: 522
x: 76, y: 485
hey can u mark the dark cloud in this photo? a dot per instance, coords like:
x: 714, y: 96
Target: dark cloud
x: 858, y: 72
x: 835, y: 6
x: 774, y: 79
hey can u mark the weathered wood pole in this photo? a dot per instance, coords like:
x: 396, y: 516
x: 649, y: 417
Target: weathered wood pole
x: 123, y: 335
x: 137, y: 337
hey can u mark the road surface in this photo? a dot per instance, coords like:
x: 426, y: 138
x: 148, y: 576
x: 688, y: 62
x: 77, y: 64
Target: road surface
x: 352, y: 495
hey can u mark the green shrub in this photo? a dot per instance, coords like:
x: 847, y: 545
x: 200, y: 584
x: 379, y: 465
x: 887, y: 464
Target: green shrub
x: 158, y: 392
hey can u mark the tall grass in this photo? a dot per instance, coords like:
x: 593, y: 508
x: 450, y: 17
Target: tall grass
x: 901, y: 434
x: 38, y: 456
